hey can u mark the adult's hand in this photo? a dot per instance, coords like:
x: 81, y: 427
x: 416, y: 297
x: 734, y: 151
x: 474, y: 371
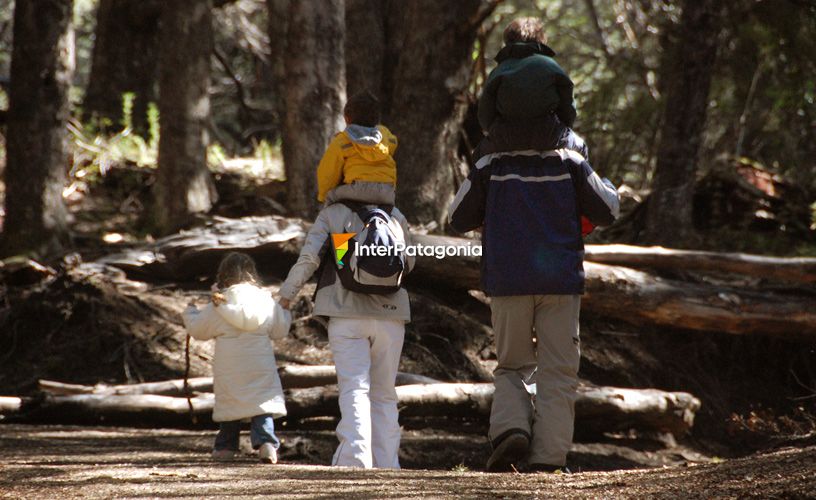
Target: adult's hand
x: 284, y: 303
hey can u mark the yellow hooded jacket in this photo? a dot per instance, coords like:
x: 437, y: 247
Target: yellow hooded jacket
x: 357, y: 154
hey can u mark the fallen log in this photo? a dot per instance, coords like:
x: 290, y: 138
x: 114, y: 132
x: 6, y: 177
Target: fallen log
x: 136, y: 409
x: 639, y: 297
x: 793, y: 269
x: 305, y: 376
x: 597, y: 409
x: 163, y: 388
x: 196, y: 252
x: 618, y: 292
x: 9, y: 404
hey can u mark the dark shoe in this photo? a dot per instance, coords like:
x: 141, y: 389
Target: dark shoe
x: 508, y: 451
x: 224, y: 455
x: 547, y: 468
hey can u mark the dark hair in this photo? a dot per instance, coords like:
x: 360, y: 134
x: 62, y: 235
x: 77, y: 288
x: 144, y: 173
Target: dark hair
x: 363, y: 109
x: 236, y: 268
x: 525, y: 29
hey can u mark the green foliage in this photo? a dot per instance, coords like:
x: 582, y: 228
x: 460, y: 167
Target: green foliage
x: 216, y: 155
x: 127, y: 110
x: 614, y: 68
x: 460, y: 468
x: 153, y: 126
x: 769, y: 45
x: 265, y: 164
x: 94, y: 152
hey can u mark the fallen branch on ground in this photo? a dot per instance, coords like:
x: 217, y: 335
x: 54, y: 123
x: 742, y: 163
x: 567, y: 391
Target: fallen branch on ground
x: 618, y: 292
x: 292, y: 377
x: 163, y: 388
x: 793, y: 269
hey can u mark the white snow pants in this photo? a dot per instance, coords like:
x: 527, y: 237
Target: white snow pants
x: 366, y: 355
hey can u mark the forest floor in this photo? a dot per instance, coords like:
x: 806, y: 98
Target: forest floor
x: 755, y: 434
x: 105, y: 462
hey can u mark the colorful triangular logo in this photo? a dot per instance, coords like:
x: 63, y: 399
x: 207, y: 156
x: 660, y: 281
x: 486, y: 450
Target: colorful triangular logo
x: 340, y: 241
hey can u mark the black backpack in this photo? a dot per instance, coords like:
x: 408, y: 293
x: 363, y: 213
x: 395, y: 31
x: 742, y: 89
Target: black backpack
x: 373, y: 260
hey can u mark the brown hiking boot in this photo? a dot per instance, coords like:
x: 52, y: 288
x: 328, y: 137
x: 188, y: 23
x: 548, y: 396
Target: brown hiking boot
x: 509, y: 451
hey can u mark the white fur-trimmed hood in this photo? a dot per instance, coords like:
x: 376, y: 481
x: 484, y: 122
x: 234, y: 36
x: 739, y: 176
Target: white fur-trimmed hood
x: 247, y: 307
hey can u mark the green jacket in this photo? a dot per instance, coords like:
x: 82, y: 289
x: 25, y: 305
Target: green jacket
x: 527, y: 83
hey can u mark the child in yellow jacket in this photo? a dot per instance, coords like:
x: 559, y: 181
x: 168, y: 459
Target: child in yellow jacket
x: 363, y: 152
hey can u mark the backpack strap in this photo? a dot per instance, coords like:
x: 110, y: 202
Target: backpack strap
x: 361, y: 209
x: 325, y: 272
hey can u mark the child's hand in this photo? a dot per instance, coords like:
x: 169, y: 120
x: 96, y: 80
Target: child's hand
x: 284, y: 303
x: 218, y: 299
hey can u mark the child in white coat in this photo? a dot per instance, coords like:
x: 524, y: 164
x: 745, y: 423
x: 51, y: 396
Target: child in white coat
x: 242, y: 319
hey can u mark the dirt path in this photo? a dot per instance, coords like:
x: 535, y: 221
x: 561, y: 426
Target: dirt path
x: 72, y: 462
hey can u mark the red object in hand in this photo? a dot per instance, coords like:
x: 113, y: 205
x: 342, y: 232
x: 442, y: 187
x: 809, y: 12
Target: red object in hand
x: 586, y: 226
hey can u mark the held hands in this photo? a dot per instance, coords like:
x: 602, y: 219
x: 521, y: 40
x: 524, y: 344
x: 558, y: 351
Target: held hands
x: 218, y: 299
x: 284, y: 303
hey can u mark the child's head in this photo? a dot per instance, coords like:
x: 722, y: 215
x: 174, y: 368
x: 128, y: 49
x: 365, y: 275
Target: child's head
x: 363, y: 109
x: 236, y: 268
x: 525, y: 29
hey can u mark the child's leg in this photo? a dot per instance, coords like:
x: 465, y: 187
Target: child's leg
x: 350, y: 347
x: 228, y: 435
x: 385, y: 355
x: 262, y: 430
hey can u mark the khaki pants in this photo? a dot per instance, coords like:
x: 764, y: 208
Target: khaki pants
x: 551, y: 363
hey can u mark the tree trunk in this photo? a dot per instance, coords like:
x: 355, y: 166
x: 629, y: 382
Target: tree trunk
x: 42, y: 66
x: 277, y: 28
x: 428, y: 101
x: 183, y: 184
x: 315, y: 89
x: 686, y: 76
x: 125, y: 56
x: 366, y: 43
x: 416, y: 56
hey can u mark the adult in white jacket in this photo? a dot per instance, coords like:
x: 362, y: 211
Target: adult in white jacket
x: 245, y: 375
x: 366, y: 332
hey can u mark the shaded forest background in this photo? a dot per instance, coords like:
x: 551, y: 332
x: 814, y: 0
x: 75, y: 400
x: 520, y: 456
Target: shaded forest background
x: 706, y: 99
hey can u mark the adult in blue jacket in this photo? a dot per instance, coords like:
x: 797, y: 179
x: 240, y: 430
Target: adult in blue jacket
x: 528, y: 202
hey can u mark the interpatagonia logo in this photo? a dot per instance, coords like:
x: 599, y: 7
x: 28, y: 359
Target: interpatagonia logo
x: 341, y: 247
x: 340, y: 241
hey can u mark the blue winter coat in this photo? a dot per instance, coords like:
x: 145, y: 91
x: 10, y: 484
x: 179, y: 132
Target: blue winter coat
x: 529, y: 203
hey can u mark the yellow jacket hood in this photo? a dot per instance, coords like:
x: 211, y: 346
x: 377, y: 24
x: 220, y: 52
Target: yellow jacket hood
x: 368, y: 142
x: 358, y: 154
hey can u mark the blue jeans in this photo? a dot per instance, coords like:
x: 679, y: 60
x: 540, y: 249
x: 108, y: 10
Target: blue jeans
x: 261, y: 430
